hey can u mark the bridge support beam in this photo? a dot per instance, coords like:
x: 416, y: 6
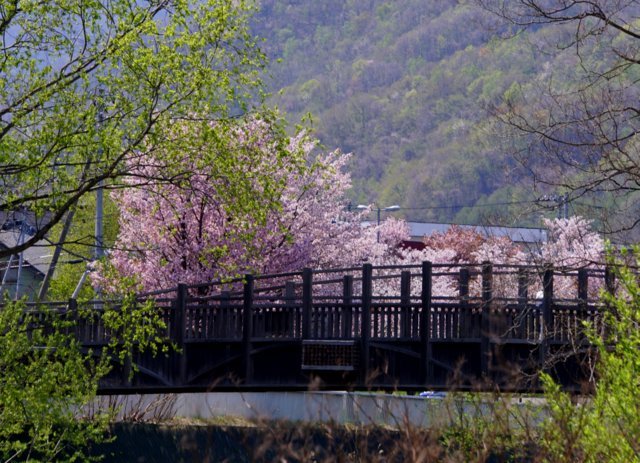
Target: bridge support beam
x: 485, y: 324
x: 247, y: 328
x: 179, y: 332
x: 547, y: 314
x: 367, y: 290
x: 426, y: 354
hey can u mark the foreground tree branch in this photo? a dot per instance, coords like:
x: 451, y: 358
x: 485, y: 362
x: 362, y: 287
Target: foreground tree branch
x: 576, y: 128
x: 87, y: 88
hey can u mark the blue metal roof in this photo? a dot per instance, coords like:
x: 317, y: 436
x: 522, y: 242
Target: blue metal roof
x: 517, y: 234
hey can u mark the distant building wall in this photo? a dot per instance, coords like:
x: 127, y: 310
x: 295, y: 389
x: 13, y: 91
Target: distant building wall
x: 30, y: 279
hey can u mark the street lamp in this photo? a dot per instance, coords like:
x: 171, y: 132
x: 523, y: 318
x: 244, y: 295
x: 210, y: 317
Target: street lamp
x: 395, y: 207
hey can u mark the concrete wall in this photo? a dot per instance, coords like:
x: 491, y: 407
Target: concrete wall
x: 340, y: 407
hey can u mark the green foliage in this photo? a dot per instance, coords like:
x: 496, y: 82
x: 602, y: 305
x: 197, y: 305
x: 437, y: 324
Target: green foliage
x: 66, y: 279
x: 46, y: 381
x: 87, y: 89
x: 79, y: 248
x: 133, y: 326
x: 488, y: 427
x: 563, y: 431
x: 605, y: 427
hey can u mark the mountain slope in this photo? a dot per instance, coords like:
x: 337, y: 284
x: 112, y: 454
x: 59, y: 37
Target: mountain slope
x: 403, y: 85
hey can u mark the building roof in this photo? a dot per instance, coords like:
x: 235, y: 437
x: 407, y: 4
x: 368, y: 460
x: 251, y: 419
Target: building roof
x: 417, y: 230
x: 37, y: 256
x: 14, y: 219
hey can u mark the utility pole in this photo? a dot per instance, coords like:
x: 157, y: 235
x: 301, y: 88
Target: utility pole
x: 99, y: 226
x: 560, y: 201
x: 20, y: 262
x: 395, y: 207
x: 56, y: 254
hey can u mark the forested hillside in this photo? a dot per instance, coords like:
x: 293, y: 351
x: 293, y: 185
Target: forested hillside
x: 404, y: 85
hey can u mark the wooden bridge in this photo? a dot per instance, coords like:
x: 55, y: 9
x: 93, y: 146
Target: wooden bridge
x: 408, y: 328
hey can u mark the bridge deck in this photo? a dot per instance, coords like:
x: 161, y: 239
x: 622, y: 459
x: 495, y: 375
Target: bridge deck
x: 407, y: 328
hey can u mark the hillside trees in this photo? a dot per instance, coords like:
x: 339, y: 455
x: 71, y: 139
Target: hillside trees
x: 577, y: 124
x: 426, y: 80
x: 88, y: 88
x: 422, y: 140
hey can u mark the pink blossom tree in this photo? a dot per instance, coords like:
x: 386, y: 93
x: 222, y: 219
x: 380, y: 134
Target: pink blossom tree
x: 390, y: 252
x: 464, y: 241
x: 277, y: 206
x: 195, y: 230
x: 571, y: 245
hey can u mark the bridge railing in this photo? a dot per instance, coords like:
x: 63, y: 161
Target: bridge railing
x: 357, y: 316
x: 437, y: 302
x: 464, y: 302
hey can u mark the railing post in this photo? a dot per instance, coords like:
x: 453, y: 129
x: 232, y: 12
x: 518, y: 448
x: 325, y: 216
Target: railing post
x: 464, y: 284
x: 464, y: 303
x: 609, y: 279
x: 72, y: 310
x: 426, y: 368
x: 247, y: 327
x: 583, y: 288
x: 367, y: 292
x: 583, y: 299
x: 523, y: 287
x: 290, y: 292
x: 127, y: 365
x: 180, y: 320
x: 521, y: 323
x: 347, y: 301
x: 405, y: 303
x: 307, y: 302
x: 223, y: 324
x: 485, y: 318
x: 290, y: 303
x: 547, y: 313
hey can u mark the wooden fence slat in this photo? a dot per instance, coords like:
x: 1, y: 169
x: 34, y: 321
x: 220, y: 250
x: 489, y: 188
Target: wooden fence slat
x: 485, y: 334
x: 365, y: 334
x: 247, y: 326
x: 425, y: 324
